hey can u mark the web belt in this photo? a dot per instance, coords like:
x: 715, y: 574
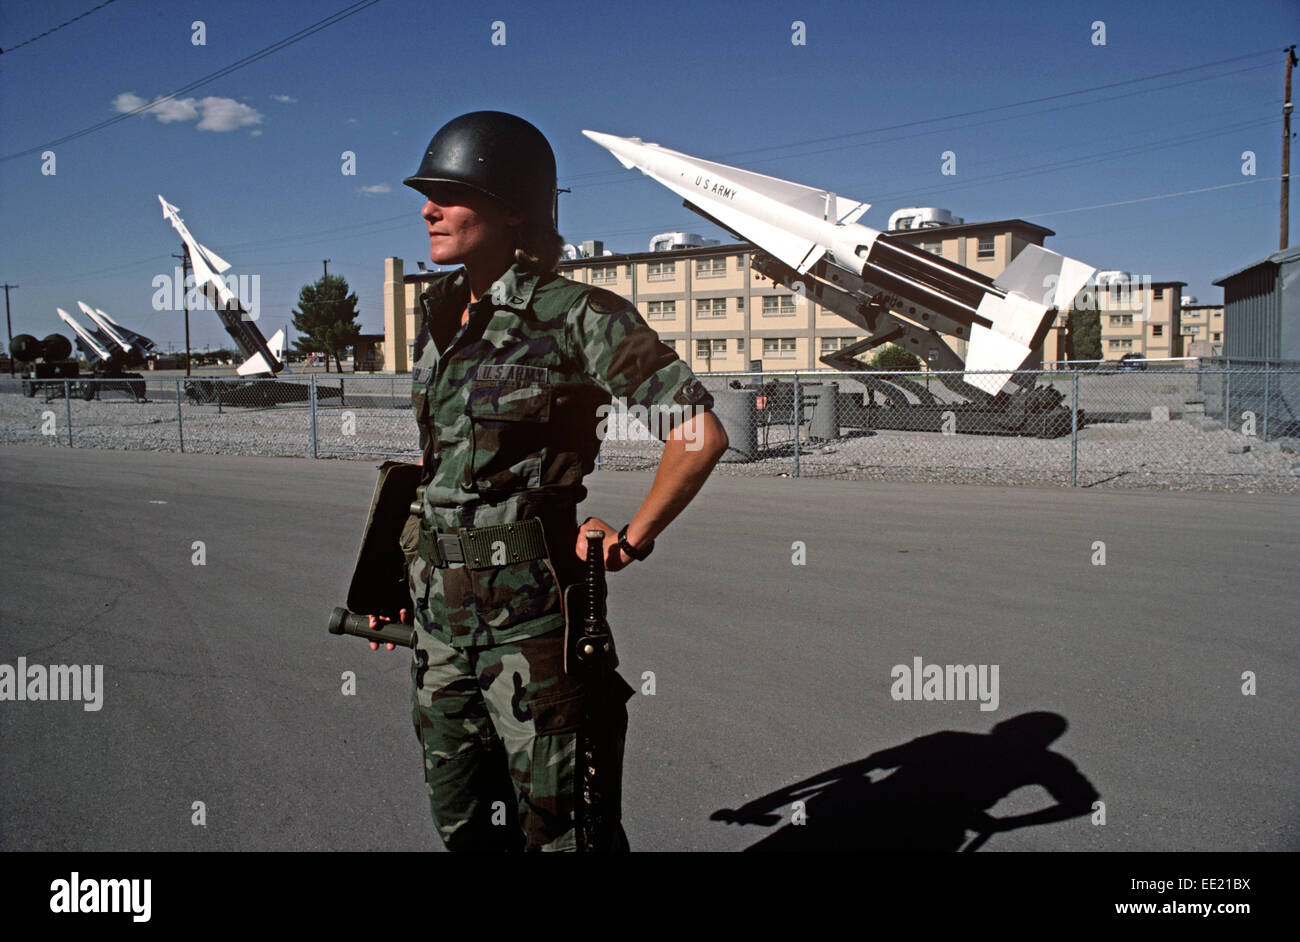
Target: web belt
x: 478, y: 547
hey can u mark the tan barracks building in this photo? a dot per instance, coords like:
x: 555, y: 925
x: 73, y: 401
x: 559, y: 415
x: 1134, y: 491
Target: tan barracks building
x: 721, y: 315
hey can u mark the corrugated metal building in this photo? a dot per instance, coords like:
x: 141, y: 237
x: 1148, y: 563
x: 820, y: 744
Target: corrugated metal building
x: 1255, y: 385
x: 1261, y: 309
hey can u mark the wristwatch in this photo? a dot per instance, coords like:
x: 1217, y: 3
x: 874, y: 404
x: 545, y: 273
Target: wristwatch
x: 626, y: 547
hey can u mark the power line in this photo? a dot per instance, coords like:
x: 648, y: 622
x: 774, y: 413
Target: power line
x: 926, y: 121
x: 1077, y: 162
x: 55, y: 29
x: 1159, y: 196
x: 207, y: 79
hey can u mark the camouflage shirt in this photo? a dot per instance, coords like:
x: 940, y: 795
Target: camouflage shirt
x: 508, y: 407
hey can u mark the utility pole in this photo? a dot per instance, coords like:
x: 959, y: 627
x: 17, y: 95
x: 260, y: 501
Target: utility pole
x: 10, y: 325
x: 326, y: 261
x: 1285, y: 240
x: 185, y: 298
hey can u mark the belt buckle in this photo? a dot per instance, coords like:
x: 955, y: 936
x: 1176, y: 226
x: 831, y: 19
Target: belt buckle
x: 451, y: 551
x: 428, y: 546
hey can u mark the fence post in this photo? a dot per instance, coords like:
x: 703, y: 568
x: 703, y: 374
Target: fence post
x: 180, y: 426
x: 798, y: 415
x: 1227, y: 393
x: 1265, y: 421
x: 67, y: 401
x: 312, y: 397
x: 1074, y: 432
x: 217, y: 383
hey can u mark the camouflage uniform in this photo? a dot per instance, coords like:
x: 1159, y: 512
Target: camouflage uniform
x: 507, y: 408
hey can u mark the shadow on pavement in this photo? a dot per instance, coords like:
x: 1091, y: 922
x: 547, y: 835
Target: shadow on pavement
x: 941, y: 789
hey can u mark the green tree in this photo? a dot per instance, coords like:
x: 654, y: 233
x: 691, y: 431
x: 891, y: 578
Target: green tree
x: 894, y: 357
x: 1083, y: 331
x: 327, y: 318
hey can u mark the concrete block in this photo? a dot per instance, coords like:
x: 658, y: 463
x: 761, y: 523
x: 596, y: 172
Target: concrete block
x: 1238, y: 448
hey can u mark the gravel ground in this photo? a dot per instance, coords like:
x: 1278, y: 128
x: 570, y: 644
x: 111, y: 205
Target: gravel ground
x: 1194, y: 453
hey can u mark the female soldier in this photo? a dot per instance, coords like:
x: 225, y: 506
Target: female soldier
x: 512, y: 364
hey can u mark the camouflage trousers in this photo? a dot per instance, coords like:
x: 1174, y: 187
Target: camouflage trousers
x: 500, y: 727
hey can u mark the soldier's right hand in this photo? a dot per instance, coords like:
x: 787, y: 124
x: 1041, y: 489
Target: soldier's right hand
x: 375, y: 620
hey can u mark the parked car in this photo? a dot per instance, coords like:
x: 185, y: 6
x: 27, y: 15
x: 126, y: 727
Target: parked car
x: 1132, y: 361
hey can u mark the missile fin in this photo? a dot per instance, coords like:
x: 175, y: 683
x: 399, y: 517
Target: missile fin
x: 276, y: 344
x: 989, y: 350
x: 799, y: 253
x: 253, y: 366
x: 849, y: 211
x: 1044, y: 276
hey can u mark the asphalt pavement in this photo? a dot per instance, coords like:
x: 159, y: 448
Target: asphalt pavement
x: 1155, y: 693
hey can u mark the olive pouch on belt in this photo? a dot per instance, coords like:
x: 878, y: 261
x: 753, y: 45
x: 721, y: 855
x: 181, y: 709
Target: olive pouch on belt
x: 379, y: 581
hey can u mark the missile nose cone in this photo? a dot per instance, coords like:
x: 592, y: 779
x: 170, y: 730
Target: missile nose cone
x: 621, y: 147
x: 607, y: 141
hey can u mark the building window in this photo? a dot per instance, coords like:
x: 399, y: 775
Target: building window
x: 627, y: 270
x: 1158, y: 294
x: 1157, y: 330
x: 604, y: 276
x: 985, y: 248
x: 714, y: 347
x: 660, y: 271
x: 778, y: 305
x: 1125, y: 344
x: 831, y: 344
x: 934, y: 248
x: 740, y: 305
x: 661, y: 310
x: 710, y: 267
x: 710, y: 307
x: 740, y: 344
x: 1121, y: 320
x: 781, y: 348
x: 1218, y: 313
x: 1218, y: 337
x: 1191, y: 330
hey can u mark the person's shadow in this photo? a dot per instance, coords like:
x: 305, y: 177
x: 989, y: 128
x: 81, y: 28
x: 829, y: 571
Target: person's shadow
x: 943, y: 787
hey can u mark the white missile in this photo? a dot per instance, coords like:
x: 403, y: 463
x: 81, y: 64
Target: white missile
x: 208, y: 265
x: 816, y: 235
x: 86, y: 337
x: 104, y: 326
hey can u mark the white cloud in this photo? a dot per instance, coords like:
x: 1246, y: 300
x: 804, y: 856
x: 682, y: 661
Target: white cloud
x: 226, y: 114
x: 351, y: 121
x: 375, y: 188
x: 175, y: 109
x: 255, y: 133
x: 214, y: 114
x: 284, y: 99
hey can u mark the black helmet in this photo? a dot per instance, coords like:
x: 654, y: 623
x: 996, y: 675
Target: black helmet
x: 496, y: 153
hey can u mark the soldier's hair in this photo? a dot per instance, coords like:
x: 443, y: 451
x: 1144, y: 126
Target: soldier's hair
x: 538, y: 247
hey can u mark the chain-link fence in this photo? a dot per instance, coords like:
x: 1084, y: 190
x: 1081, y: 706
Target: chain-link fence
x: 1233, y: 425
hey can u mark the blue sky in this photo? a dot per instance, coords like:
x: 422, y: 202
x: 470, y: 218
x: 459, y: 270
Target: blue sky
x: 253, y: 160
